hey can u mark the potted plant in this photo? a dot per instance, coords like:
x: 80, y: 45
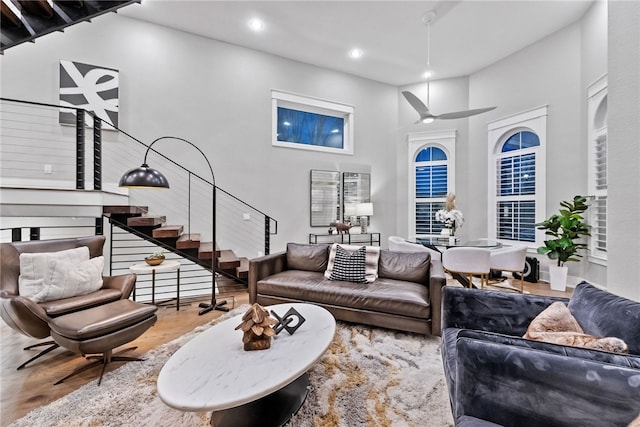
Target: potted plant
x: 155, y: 258
x: 567, y: 228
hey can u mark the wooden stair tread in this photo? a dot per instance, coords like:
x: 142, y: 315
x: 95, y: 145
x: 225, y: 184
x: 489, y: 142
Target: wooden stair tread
x: 125, y: 210
x: 242, y: 271
x: 228, y: 260
x: 205, y: 250
x: 168, y: 231
x: 146, y: 221
x: 188, y: 241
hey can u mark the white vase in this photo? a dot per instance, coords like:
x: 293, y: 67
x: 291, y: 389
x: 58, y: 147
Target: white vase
x: 558, y: 277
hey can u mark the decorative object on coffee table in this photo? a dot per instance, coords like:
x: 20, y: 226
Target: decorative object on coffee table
x: 155, y: 258
x: 256, y: 327
x: 285, y: 321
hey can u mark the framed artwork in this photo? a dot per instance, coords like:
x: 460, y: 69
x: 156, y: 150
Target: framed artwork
x: 91, y: 87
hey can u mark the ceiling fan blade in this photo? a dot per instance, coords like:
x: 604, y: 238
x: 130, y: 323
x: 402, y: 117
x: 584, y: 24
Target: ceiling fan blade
x: 415, y: 102
x: 463, y: 114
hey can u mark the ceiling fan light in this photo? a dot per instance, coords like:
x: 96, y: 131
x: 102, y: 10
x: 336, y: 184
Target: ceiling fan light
x: 427, y: 74
x: 356, y: 53
x: 428, y: 120
x: 256, y: 24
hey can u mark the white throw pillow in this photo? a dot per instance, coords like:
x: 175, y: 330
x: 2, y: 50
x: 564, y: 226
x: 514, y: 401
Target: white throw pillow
x: 33, y: 268
x: 64, y: 279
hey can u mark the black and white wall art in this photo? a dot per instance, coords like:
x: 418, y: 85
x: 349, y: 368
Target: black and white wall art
x: 91, y: 87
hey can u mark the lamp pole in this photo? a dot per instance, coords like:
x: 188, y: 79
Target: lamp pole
x: 146, y: 177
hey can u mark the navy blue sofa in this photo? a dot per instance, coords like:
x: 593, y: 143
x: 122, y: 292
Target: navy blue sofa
x: 497, y: 378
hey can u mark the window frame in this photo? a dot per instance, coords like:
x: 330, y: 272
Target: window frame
x: 417, y: 141
x: 498, y: 132
x: 597, y: 93
x: 312, y: 105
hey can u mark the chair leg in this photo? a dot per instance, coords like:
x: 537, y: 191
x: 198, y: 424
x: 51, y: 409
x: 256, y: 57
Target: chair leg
x: 52, y: 346
x: 104, y: 359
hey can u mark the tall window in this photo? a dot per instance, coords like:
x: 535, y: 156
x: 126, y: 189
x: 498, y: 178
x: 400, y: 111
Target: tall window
x: 431, y: 178
x: 431, y: 188
x: 516, y: 177
x: 516, y: 187
x: 598, y: 185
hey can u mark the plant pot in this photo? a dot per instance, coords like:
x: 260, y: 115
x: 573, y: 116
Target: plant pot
x: 153, y: 261
x: 558, y: 277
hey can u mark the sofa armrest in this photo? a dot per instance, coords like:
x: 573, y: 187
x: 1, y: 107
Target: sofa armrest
x: 123, y: 283
x: 495, y: 311
x: 262, y: 267
x: 515, y: 386
x: 437, y: 281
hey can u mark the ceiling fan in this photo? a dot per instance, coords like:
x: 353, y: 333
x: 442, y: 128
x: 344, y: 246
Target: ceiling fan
x: 426, y: 116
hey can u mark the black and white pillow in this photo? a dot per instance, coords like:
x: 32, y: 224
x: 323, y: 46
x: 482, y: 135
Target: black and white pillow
x: 349, y: 267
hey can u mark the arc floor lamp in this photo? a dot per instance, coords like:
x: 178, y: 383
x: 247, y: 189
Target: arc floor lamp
x: 146, y: 177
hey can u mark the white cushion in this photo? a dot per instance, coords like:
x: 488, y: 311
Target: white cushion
x: 64, y: 279
x: 33, y: 267
x: 371, y: 260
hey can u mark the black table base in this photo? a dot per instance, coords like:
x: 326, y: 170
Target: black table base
x: 273, y: 410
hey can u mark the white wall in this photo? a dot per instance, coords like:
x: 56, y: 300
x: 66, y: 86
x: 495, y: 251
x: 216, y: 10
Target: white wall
x: 218, y: 96
x: 623, y: 209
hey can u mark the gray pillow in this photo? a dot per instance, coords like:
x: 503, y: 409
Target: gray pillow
x: 307, y: 257
x: 410, y: 267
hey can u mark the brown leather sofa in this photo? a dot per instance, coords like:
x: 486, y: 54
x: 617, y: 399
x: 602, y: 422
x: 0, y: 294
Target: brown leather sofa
x: 405, y: 296
x: 33, y: 319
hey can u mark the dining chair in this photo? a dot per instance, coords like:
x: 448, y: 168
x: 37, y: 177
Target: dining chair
x: 511, y: 259
x: 400, y: 244
x: 468, y: 261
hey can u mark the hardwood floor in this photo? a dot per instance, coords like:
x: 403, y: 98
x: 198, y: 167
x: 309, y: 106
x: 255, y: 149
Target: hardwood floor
x: 31, y: 387
x: 24, y: 390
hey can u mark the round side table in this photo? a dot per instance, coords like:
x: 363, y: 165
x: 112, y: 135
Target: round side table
x: 144, y: 268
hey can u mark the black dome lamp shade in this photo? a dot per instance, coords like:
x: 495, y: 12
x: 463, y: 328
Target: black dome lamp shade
x: 143, y: 177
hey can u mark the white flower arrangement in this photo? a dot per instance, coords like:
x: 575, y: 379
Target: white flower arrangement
x: 451, y: 219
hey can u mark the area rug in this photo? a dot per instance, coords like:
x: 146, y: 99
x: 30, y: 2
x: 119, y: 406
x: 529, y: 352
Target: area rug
x: 368, y: 377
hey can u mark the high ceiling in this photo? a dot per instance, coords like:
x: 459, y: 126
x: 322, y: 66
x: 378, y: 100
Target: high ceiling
x: 466, y: 36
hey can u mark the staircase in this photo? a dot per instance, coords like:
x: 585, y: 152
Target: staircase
x: 135, y: 220
x: 25, y: 20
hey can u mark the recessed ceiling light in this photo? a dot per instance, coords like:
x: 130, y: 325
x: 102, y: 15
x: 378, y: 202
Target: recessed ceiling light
x: 256, y: 24
x: 356, y: 53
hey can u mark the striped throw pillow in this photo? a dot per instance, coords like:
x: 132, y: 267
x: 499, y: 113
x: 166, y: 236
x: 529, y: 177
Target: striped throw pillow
x: 349, y: 266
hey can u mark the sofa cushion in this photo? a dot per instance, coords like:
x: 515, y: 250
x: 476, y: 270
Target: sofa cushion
x: 603, y: 314
x: 383, y: 295
x: 34, y: 267
x: 412, y: 267
x: 348, y: 266
x: 372, y: 254
x: 307, y: 257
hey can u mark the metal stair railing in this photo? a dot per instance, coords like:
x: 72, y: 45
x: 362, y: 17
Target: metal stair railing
x: 28, y: 128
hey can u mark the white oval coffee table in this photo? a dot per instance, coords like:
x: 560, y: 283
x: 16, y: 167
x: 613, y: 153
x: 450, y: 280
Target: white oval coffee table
x: 213, y: 372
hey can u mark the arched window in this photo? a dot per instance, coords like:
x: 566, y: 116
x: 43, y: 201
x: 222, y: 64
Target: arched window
x: 516, y: 187
x: 598, y: 179
x: 431, y: 178
x: 516, y: 177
